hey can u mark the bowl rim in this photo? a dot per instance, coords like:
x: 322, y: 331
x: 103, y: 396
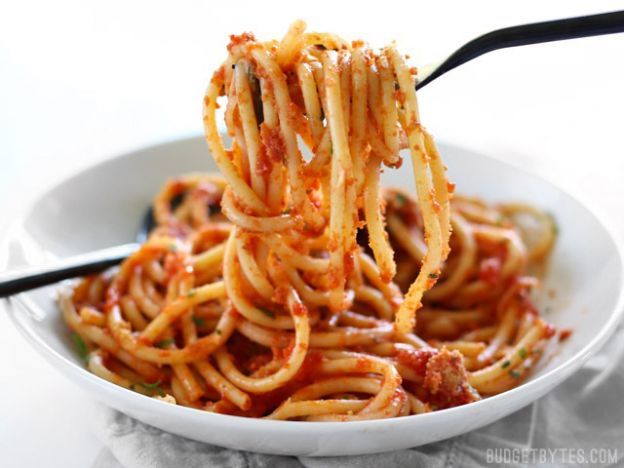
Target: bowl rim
x: 532, y: 386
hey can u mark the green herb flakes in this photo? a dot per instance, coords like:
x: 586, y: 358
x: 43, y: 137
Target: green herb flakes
x: 165, y: 343
x: 200, y: 322
x: 555, y: 226
x: 81, y: 347
x: 267, y: 312
x: 400, y: 200
x: 153, y: 387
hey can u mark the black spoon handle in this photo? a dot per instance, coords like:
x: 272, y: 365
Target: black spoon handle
x: 34, y: 277
x: 548, y: 31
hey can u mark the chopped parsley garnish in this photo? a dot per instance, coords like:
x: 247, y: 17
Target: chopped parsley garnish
x: 434, y: 275
x: 555, y: 226
x: 515, y: 374
x: 267, y: 312
x: 150, y: 386
x: 190, y: 294
x: 165, y: 343
x: 505, y: 364
x: 200, y: 322
x: 400, y: 199
x: 154, y: 387
x: 522, y: 353
x: 81, y: 347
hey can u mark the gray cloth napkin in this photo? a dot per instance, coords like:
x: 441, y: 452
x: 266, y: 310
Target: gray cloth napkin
x: 581, y: 422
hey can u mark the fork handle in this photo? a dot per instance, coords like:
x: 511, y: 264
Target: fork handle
x: 24, y: 279
x: 535, y: 33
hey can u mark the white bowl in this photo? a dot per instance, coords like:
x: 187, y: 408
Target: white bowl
x: 103, y: 206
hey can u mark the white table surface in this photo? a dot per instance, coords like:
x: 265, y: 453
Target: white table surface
x: 83, y: 80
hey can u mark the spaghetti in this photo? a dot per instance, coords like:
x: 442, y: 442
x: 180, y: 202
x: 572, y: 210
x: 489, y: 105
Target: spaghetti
x: 288, y: 287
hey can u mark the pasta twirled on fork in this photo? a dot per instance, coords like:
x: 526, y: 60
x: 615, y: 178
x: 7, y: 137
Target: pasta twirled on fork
x: 288, y: 287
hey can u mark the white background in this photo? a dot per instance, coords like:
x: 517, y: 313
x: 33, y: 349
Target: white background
x: 83, y: 80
